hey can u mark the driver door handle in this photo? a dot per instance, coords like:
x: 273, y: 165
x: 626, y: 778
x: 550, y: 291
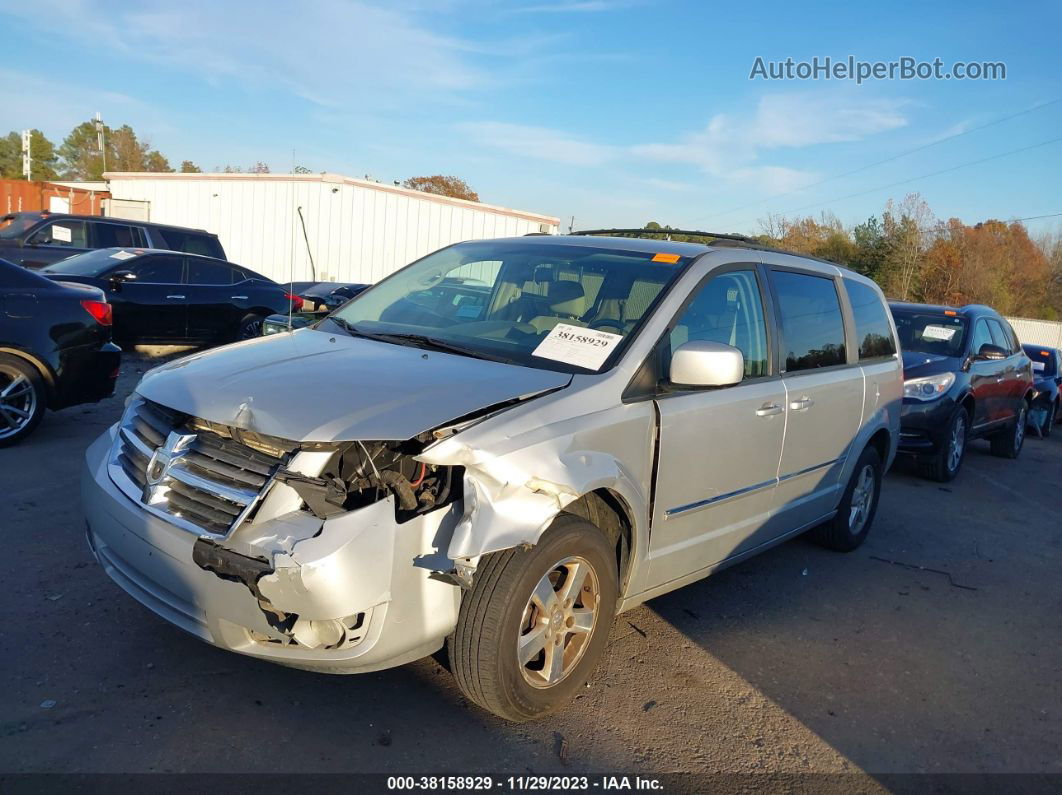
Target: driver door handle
x: 243, y: 297
x: 768, y: 410
x: 802, y: 404
x: 176, y: 296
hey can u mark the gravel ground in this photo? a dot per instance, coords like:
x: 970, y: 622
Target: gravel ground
x: 933, y: 648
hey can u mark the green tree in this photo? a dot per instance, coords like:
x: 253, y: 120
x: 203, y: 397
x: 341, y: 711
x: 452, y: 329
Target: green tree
x: 44, y: 159
x: 188, y: 167
x: 454, y: 187
x: 81, y: 155
x: 869, y: 239
x: 154, y: 161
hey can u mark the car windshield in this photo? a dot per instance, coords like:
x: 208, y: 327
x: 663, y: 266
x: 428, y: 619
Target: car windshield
x: 1042, y: 359
x: 931, y: 332
x: 15, y: 224
x: 91, y: 263
x: 568, y: 308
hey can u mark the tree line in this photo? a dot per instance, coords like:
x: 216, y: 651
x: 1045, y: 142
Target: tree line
x: 915, y: 256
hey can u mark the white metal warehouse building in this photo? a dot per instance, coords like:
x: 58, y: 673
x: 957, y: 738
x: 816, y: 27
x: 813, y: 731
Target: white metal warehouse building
x: 355, y: 230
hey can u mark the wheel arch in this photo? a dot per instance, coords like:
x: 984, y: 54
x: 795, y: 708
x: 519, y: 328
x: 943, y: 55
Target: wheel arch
x: 46, y: 372
x: 608, y: 511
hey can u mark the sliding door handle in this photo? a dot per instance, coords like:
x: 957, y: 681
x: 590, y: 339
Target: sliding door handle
x: 768, y: 410
x: 802, y: 404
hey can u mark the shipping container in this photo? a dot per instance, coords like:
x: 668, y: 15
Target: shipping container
x: 323, y: 227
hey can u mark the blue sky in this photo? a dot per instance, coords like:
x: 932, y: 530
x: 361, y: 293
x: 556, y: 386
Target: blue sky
x: 615, y: 111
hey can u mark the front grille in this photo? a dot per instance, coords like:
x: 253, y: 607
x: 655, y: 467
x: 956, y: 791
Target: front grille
x: 201, y: 475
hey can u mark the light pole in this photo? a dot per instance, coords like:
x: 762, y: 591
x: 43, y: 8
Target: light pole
x: 99, y: 140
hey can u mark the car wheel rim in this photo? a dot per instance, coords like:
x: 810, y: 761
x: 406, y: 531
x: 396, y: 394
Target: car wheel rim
x: 957, y: 443
x: 1019, y: 429
x: 558, y: 622
x: 18, y: 402
x: 251, y: 329
x: 862, y: 496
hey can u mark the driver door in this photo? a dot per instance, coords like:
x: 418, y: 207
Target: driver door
x: 719, y: 448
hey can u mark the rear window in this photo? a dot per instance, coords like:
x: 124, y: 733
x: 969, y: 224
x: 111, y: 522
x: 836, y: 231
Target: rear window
x: 873, y: 330
x: 189, y: 242
x: 812, y: 326
x: 116, y: 235
x: 91, y: 263
x: 1043, y: 359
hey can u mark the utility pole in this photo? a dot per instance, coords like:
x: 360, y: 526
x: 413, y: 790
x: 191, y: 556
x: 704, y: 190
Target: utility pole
x: 571, y: 225
x: 100, y: 141
x: 27, y: 158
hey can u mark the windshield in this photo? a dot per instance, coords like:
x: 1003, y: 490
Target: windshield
x: 555, y: 307
x: 931, y: 332
x: 91, y: 263
x: 1043, y: 361
x: 15, y: 224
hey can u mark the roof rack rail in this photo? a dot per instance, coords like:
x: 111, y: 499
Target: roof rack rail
x: 665, y: 232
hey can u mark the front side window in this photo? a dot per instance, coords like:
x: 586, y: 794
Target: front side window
x: 502, y: 299
x: 812, y: 326
x: 728, y: 309
x: 69, y: 234
x: 999, y: 336
x: 873, y: 331
x: 157, y: 270
x: 982, y: 336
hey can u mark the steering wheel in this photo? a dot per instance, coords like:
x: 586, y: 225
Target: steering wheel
x: 616, y: 324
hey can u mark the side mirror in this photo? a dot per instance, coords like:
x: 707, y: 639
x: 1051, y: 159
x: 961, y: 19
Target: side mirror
x: 992, y: 352
x: 118, y: 278
x: 703, y: 363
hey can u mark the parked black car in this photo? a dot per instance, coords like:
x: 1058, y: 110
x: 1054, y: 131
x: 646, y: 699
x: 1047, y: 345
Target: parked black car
x: 38, y: 239
x: 1047, y: 378
x: 965, y: 377
x: 55, y: 348
x: 163, y: 297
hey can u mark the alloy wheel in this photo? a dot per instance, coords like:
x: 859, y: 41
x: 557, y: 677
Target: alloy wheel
x: 862, y: 497
x: 957, y: 443
x: 1019, y: 428
x: 18, y: 402
x: 251, y: 329
x: 557, y: 622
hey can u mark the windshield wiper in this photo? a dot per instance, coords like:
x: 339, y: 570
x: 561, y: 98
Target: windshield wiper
x: 417, y: 341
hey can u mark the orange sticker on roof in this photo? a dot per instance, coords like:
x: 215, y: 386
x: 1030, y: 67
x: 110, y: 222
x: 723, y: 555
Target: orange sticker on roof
x: 665, y: 257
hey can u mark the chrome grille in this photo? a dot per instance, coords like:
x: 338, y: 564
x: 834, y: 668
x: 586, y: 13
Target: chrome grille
x: 201, y: 476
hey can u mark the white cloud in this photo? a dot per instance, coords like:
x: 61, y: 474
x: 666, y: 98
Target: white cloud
x: 540, y: 143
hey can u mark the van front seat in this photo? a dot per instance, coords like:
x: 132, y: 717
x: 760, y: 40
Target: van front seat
x: 567, y: 304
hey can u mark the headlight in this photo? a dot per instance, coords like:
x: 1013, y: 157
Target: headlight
x: 929, y: 388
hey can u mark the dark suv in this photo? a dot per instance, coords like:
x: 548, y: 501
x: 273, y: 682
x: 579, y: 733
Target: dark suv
x: 34, y: 240
x: 965, y: 377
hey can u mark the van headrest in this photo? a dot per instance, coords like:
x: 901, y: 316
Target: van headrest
x: 567, y: 298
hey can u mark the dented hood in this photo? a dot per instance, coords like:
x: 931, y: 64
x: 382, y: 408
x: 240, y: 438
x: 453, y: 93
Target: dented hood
x: 316, y: 386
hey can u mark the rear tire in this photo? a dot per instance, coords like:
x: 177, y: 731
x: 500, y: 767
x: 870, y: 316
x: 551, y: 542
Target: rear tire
x: 1008, y: 442
x: 536, y: 622
x: 23, y: 398
x: 250, y: 327
x: 859, y: 503
x: 945, y: 464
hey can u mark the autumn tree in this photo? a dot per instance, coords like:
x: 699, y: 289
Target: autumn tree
x: 43, y: 158
x: 188, y: 167
x: 906, y: 228
x: 259, y: 168
x: 455, y: 187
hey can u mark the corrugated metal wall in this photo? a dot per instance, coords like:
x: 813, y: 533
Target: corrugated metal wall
x: 1038, y: 332
x: 358, y: 231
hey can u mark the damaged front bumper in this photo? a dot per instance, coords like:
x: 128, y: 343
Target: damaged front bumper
x: 351, y: 593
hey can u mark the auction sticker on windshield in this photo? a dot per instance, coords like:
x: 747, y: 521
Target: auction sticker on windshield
x: 938, y: 332
x: 583, y: 347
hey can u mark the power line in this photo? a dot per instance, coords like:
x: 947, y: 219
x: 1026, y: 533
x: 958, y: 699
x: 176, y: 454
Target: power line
x: 886, y: 160
x: 926, y: 176
x: 1037, y: 217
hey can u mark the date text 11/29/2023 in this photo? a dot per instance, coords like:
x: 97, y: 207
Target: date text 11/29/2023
x: 529, y: 783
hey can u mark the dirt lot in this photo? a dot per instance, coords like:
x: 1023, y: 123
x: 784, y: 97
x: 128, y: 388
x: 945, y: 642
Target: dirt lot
x: 935, y: 647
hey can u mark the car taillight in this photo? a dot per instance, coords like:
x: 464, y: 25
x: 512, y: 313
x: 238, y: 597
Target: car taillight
x: 296, y: 302
x: 101, y: 311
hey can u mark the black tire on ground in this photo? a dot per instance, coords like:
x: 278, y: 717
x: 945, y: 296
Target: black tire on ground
x: 250, y: 327
x: 23, y: 399
x: 942, y: 466
x: 1008, y: 442
x: 1049, y: 421
x: 859, y: 503
x: 499, y: 611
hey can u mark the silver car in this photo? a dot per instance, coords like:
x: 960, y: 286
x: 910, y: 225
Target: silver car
x: 501, y: 470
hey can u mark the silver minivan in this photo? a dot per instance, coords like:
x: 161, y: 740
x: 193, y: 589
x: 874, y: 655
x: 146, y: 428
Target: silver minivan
x: 497, y: 449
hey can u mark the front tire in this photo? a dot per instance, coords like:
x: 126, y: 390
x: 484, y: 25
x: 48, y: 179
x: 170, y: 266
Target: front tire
x: 859, y: 503
x: 1008, y: 443
x: 536, y: 622
x: 23, y: 397
x: 944, y: 465
x: 250, y: 327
